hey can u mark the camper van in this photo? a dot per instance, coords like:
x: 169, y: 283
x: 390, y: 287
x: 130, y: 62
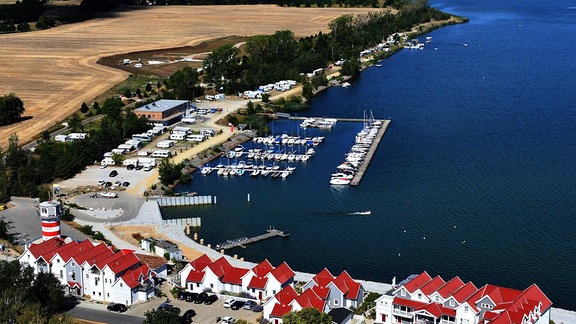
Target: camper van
x: 162, y: 153
x: 118, y: 151
x: 107, y: 161
x: 143, y: 153
x: 178, y: 136
x: 207, y: 132
x: 196, y: 138
x: 133, y: 161
x: 165, y: 144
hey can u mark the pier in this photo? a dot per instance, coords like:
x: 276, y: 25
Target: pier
x: 243, y: 241
x: 185, y: 201
x: 337, y: 118
x: 362, y: 168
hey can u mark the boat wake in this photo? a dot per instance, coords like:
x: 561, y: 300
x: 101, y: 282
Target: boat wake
x: 363, y: 212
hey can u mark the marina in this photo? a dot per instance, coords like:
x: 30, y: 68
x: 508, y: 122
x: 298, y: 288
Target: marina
x: 243, y: 241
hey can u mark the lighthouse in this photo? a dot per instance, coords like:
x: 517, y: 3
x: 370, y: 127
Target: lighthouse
x: 50, y: 212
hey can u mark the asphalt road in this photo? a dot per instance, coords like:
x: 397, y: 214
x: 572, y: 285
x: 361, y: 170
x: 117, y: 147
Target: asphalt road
x: 103, y: 316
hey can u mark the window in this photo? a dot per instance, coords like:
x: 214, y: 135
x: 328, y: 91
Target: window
x: 107, y: 294
x: 61, y: 274
x: 121, y: 285
x: 465, y: 308
x: 73, y: 265
x: 437, y: 298
x: 419, y: 296
x: 99, y: 294
x: 197, y: 285
x: 452, y: 302
x: 57, y: 260
x: 335, y: 302
x: 403, y: 293
x: 211, y: 285
x: 86, y: 276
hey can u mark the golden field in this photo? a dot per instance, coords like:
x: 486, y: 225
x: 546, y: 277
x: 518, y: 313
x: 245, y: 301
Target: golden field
x: 53, y: 71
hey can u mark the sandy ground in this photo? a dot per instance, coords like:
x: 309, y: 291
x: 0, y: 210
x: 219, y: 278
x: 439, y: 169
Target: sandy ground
x: 53, y: 71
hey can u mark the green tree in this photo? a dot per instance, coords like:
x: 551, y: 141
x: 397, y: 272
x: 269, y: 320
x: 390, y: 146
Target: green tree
x: 75, y: 123
x: 11, y: 108
x: 23, y: 27
x: 307, y: 90
x: 184, y: 83
x: 307, y: 316
x: 148, y: 87
x: 84, y: 108
x: 128, y: 93
x: 169, y: 172
x: 222, y: 65
x: 162, y: 316
x: 96, y: 107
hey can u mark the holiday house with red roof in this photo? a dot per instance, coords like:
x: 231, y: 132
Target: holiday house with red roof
x: 92, y: 269
x: 423, y: 299
x: 341, y: 291
x: 281, y: 303
x: 255, y: 281
x: 192, y: 275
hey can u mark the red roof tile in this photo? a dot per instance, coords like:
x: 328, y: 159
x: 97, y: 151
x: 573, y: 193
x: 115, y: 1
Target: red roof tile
x: 132, y: 277
x: 348, y: 286
x: 234, y: 275
x: 195, y: 276
x: 93, y: 254
x: 417, y: 282
x: 437, y: 310
x: 408, y: 303
x: 81, y: 247
x: 526, y: 302
x: 73, y: 284
x: 124, y: 262
x: 322, y: 292
x: 258, y: 282
x: 286, y: 295
x: 200, y: 263
x: 464, y: 292
x: 220, y: 267
x: 153, y: 261
x: 323, y: 278
x: 280, y: 310
x: 450, y: 287
x: 49, y: 255
x: 263, y: 268
x: 432, y: 285
x: 39, y: 249
x: 309, y: 299
x: 283, y: 273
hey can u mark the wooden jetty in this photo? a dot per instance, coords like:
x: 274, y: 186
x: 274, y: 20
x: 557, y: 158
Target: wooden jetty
x: 364, y: 165
x: 337, y: 118
x: 243, y: 241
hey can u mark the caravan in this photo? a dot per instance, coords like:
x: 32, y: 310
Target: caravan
x: 165, y: 144
x: 107, y: 161
x: 196, y: 138
x: 162, y: 153
x: 178, y: 136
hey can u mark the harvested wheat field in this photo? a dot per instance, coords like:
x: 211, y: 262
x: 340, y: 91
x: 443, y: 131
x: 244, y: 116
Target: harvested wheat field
x: 53, y: 71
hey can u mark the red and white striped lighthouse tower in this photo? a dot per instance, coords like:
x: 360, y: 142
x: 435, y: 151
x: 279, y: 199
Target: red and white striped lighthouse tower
x: 50, y: 212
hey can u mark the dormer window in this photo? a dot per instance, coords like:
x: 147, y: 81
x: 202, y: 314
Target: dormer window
x: 403, y: 293
x: 437, y: 298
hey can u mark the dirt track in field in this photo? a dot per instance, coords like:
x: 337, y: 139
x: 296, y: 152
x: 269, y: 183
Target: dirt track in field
x: 54, y: 71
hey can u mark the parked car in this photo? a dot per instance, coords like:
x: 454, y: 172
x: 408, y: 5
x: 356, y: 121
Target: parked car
x: 201, y: 298
x: 120, y: 308
x: 117, y: 183
x: 237, y: 305
x: 187, y: 316
x: 165, y: 306
x: 101, y: 182
x: 229, y: 302
x: 130, y: 167
x: 257, y: 308
x: 182, y: 294
x: 191, y: 296
x: 249, y: 304
x: 211, y: 299
x: 113, y: 173
x: 228, y: 320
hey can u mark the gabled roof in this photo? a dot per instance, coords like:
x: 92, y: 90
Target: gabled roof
x: 101, y: 263
x: 263, y: 268
x: 282, y: 273
x: 323, y: 278
x: 92, y: 255
x: 67, y: 246
x: 195, y: 276
x: 419, y: 281
x: 450, y: 287
x: 200, y: 263
x: 432, y: 285
x: 123, y: 263
x: 132, y: 277
x: 42, y: 248
x: 464, y: 292
x: 279, y: 310
x: 73, y: 284
x: 234, y: 275
x: 309, y: 299
x: 322, y: 292
x: 497, y: 295
x: 528, y: 301
x: 81, y: 247
x: 347, y: 285
x: 220, y: 267
x: 286, y: 295
x: 436, y: 310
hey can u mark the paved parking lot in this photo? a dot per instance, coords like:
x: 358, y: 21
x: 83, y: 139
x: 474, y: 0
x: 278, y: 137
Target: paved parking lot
x: 204, y: 313
x: 90, y: 177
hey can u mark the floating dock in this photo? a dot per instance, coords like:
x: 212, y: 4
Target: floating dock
x: 364, y: 165
x: 243, y: 241
x: 185, y: 201
x: 336, y: 118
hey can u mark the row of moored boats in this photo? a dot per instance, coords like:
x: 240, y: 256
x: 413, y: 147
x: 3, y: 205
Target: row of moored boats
x: 355, y: 157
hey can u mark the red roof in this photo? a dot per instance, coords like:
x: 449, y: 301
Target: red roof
x: 220, y: 267
x: 437, y: 310
x: 195, y: 276
x: 102, y: 262
x: 42, y: 248
x: 263, y: 268
x: 528, y: 301
x: 309, y: 299
x: 93, y: 254
x: 280, y: 310
x: 408, y: 303
x: 49, y: 255
x: 347, y: 285
x: 283, y: 273
x: 73, y: 284
x: 200, y: 263
x: 450, y: 287
x: 81, y: 247
x: 234, y: 275
x: 323, y: 278
x: 286, y: 295
x: 417, y: 282
x: 497, y: 295
x: 322, y: 292
x: 432, y: 285
x: 124, y: 262
x: 464, y: 292
x: 132, y: 277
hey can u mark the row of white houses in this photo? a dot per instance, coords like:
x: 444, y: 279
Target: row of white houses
x: 273, y: 286
x: 94, y: 270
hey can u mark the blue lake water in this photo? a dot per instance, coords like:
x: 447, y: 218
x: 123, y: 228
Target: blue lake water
x: 475, y: 176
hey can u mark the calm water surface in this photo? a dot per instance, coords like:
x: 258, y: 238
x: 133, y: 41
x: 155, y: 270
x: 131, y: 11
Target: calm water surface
x: 475, y: 176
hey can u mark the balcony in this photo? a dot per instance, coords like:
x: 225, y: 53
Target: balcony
x: 404, y: 313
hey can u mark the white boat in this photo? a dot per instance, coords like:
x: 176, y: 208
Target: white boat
x: 108, y: 194
x: 239, y: 148
x: 339, y: 181
x: 345, y: 84
x: 255, y: 173
x: 205, y: 170
x: 342, y: 175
